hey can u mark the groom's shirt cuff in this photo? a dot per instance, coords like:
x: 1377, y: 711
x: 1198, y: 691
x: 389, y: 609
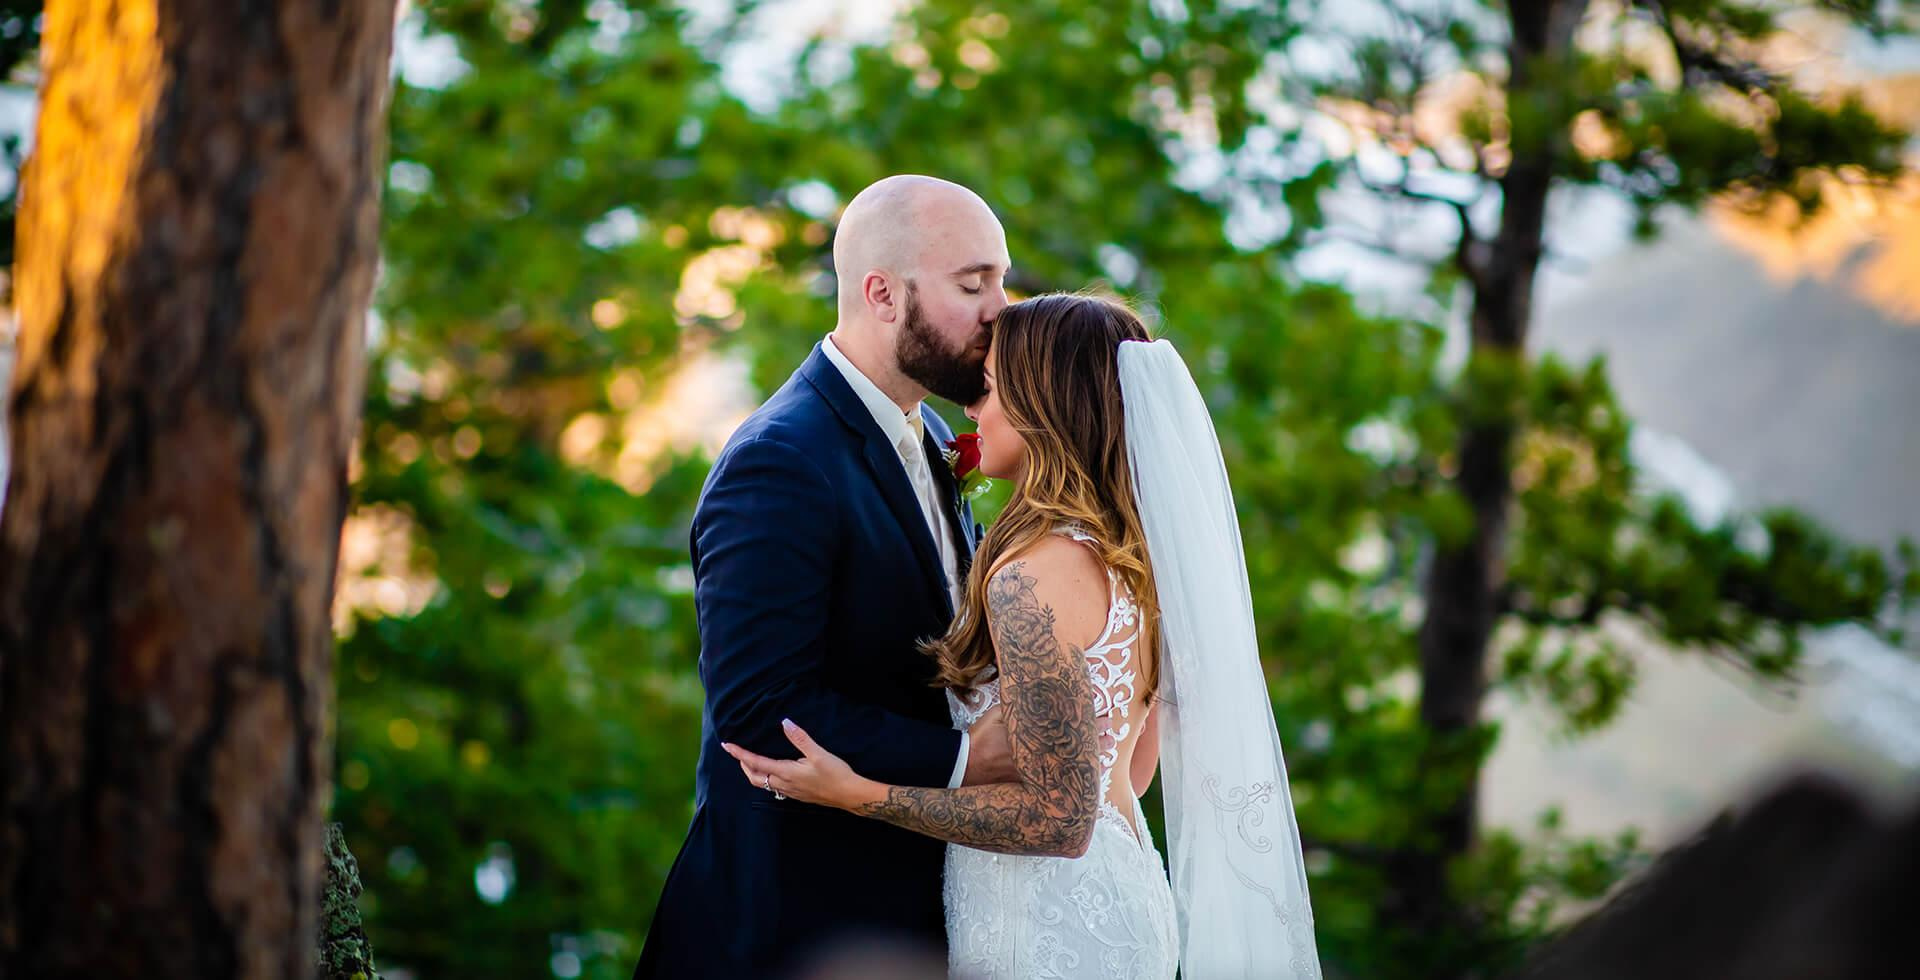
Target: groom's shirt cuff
x: 960, y: 764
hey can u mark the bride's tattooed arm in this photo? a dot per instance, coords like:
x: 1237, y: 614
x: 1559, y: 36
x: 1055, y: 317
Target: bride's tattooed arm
x: 1052, y: 733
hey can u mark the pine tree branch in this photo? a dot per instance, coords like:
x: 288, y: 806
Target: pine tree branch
x: 1705, y: 61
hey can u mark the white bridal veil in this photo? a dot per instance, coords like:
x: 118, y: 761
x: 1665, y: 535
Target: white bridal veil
x: 1239, y: 882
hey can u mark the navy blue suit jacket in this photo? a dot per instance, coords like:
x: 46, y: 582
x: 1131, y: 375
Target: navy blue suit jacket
x: 814, y: 578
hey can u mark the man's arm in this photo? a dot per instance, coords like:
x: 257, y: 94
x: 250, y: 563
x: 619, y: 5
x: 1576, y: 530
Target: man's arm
x: 764, y: 541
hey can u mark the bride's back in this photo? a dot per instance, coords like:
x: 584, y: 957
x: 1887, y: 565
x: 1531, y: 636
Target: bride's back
x: 1120, y: 704
x: 1096, y: 613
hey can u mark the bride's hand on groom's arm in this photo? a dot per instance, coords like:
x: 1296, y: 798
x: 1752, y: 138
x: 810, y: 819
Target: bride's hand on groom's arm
x: 818, y: 776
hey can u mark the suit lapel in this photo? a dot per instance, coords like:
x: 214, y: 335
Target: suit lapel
x: 889, y: 473
x: 884, y: 462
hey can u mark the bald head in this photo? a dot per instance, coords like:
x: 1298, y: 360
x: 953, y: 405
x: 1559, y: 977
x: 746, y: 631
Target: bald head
x: 908, y: 227
x: 922, y: 266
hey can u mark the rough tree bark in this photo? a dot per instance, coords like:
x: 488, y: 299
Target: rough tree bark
x: 196, y: 247
x: 1464, y: 581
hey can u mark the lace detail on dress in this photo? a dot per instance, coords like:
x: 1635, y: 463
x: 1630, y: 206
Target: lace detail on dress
x: 1115, y: 682
x: 965, y: 709
x: 1108, y: 913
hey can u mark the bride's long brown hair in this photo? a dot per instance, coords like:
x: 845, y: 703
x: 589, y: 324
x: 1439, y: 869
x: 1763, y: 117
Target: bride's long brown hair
x: 1058, y: 377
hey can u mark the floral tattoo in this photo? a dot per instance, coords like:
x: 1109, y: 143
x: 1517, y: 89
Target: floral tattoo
x: 1052, y: 734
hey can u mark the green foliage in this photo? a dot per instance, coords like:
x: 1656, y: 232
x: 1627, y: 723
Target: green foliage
x: 586, y: 212
x: 541, y: 709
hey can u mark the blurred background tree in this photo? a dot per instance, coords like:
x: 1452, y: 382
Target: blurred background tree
x: 599, y: 251
x: 1544, y: 549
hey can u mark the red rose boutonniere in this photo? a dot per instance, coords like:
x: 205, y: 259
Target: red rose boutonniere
x: 963, y: 457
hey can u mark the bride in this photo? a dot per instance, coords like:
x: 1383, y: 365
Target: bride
x: 1108, y: 612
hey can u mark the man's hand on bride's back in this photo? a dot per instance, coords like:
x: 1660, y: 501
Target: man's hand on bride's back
x: 989, y: 754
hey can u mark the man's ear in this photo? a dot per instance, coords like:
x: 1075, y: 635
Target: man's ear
x: 881, y: 296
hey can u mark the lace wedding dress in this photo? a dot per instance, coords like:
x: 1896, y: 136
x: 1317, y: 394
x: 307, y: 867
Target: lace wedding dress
x: 1108, y: 913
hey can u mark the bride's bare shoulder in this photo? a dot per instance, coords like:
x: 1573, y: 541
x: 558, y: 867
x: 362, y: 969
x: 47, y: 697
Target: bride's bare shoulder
x: 1058, y: 578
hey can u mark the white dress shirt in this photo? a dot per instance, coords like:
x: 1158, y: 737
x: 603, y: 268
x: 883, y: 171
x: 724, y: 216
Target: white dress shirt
x: 904, y: 430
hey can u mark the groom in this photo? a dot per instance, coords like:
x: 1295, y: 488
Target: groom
x: 829, y: 539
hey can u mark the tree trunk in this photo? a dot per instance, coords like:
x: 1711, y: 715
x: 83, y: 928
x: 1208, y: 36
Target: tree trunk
x: 196, y: 247
x: 1465, y: 579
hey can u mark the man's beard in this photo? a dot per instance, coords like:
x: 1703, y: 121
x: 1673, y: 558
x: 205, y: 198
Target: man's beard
x: 925, y: 359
